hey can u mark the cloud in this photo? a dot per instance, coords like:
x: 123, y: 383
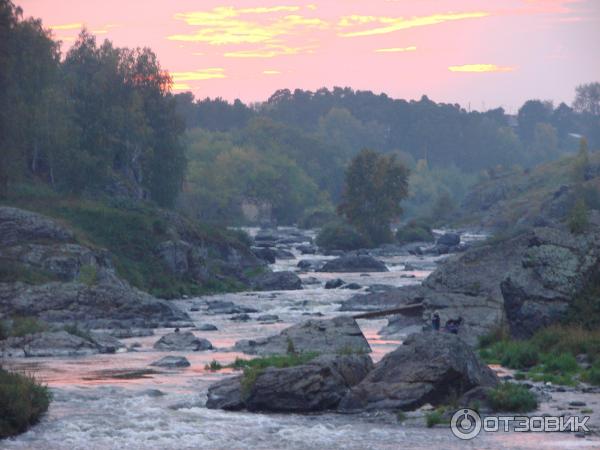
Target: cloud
x: 66, y: 26
x: 392, y: 24
x: 181, y: 87
x: 201, y: 74
x: 271, y: 72
x: 412, y: 48
x: 228, y: 25
x: 481, y: 68
x: 269, y: 51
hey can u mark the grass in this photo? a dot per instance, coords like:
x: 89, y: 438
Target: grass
x: 88, y: 275
x: 131, y: 231
x: 213, y: 366
x: 22, y: 326
x: 548, y: 356
x: 22, y: 402
x: 513, y: 398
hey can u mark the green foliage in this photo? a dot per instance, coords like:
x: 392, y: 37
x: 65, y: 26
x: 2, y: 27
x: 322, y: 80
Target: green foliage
x: 22, y: 326
x: 512, y: 397
x: 3, y: 330
x: 400, y: 416
x: 578, y: 220
x: 581, y: 162
x: 12, y: 271
x: 374, y: 186
x: 435, y: 417
x: 291, y: 350
x: 88, y: 275
x: 497, y: 335
x: 414, y: 232
x: 519, y: 355
x: 592, y: 375
x: 22, y: 402
x: 340, y: 236
x: 278, y: 361
x: 560, y: 363
x: 213, y: 366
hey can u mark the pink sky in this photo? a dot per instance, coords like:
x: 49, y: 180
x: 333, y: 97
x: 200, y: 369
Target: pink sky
x: 487, y: 53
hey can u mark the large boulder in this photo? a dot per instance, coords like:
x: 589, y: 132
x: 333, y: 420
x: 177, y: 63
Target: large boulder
x: 427, y: 368
x: 18, y: 226
x: 449, y: 239
x: 354, y: 263
x: 48, y: 344
x: 277, y: 281
x: 104, y: 305
x: 171, y: 362
x: 182, y: 341
x: 316, y: 386
x: 326, y: 336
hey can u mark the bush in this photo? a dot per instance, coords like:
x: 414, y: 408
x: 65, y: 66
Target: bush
x: 11, y: 271
x: 340, y: 236
x: 22, y: 326
x: 497, y: 335
x: 579, y: 220
x: 414, y: 232
x: 22, y: 402
x: 560, y: 363
x: 519, y: 355
x: 434, y: 418
x: 88, y: 275
x: 76, y: 331
x: 513, y: 398
x: 3, y: 331
x: 592, y: 376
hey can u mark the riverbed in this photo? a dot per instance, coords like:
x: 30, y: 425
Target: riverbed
x: 115, y: 401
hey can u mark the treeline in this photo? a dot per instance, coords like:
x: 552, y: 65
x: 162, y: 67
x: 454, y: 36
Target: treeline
x: 100, y: 120
x: 446, y: 147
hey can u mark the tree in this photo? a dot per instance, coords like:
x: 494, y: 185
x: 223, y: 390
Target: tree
x: 375, y: 185
x: 582, y: 162
x: 587, y: 99
x: 530, y: 114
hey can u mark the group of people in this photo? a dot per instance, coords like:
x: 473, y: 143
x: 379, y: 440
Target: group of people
x: 451, y: 326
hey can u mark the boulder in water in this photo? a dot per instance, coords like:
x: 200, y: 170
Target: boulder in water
x: 277, y: 281
x: 179, y: 341
x: 171, y: 362
x: 354, y: 263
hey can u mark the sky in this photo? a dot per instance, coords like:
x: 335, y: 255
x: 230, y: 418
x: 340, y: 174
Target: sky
x: 479, y: 53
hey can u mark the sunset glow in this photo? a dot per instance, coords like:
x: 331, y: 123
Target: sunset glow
x: 406, y: 48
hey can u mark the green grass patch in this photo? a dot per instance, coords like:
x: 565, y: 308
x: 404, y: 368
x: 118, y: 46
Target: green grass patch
x: 22, y: 326
x: 22, y: 402
x: 213, y: 366
x: 435, y: 417
x: 11, y: 272
x: 513, y: 398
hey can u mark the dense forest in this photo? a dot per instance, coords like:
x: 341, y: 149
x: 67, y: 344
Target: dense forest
x: 100, y: 120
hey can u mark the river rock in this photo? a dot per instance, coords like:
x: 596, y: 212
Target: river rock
x: 324, y: 336
x: 427, y: 368
x: 310, y: 264
x: 316, y: 386
x: 206, y: 327
x: 449, y: 239
x: 354, y: 263
x: 277, y: 281
x: 334, y: 284
x: 284, y: 254
x: 265, y: 253
x: 106, y: 343
x: 48, y: 344
x: 182, y: 341
x: 268, y: 318
x: 352, y: 286
x: 215, y: 307
x: 171, y: 362
x: 307, y: 249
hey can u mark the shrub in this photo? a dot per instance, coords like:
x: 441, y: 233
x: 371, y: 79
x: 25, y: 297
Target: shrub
x: 88, y: 275
x: 560, y: 363
x: 22, y: 326
x: 512, y: 397
x: 414, y: 232
x: 496, y: 335
x: 11, y: 271
x: 340, y: 236
x: 213, y: 366
x: 578, y: 220
x: 22, y: 402
x: 434, y: 417
x: 592, y: 375
x: 76, y: 331
x: 3, y: 331
x: 519, y: 355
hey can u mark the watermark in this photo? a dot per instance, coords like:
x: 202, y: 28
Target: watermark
x: 467, y: 424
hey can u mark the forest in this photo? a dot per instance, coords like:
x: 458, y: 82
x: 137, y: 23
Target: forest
x: 100, y: 120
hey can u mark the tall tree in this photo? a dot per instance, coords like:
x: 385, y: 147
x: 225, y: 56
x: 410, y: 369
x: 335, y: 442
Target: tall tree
x: 587, y: 98
x: 374, y: 187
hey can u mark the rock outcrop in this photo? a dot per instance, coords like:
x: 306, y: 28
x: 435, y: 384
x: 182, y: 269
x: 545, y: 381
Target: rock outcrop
x: 354, y: 263
x: 182, y: 341
x: 277, y: 281
x: 427, y: 368
x: 171, y: 362
x: 327, y: 336
x: 318, y: 385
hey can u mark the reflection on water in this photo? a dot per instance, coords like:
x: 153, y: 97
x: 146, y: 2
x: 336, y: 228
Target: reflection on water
x: 119, y: 402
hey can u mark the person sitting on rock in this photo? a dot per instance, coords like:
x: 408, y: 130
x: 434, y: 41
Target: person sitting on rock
x: 435, y: 321
x: 452, y: 325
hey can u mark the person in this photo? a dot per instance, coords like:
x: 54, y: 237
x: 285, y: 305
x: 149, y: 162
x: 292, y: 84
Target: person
x: 435, y: 321
x: 452, y: 326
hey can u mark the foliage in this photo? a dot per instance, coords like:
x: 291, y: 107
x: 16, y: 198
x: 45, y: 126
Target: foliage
x: 22, y: 402
x: 22, y: 326
x: 278, y: 361
x: 434, y: 417
x: 374, y: 186
x: 88, y: 275
x: 578, y: 220
x: 587, y: 99
x: 340, y: 236
x: 512, y: 397
x: 213, y: 366
x: 592, y: 376
x: 12, y: 271
x: 414, y: 231
x: 79, y: 332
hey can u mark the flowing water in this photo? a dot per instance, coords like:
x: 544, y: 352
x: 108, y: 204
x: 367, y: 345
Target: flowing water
x: 114, y: 402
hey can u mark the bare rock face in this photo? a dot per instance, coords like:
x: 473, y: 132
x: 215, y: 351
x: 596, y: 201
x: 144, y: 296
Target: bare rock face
x: 318, y: 385
x: 322, y: 336
x: 18, y: 225
x: 427, y: 368
x: 182, y: 341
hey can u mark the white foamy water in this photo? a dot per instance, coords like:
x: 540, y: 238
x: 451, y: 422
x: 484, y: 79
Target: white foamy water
x: 95, y: 408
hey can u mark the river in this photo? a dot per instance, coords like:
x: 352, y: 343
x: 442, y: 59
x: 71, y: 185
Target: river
x: 112, y: 402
